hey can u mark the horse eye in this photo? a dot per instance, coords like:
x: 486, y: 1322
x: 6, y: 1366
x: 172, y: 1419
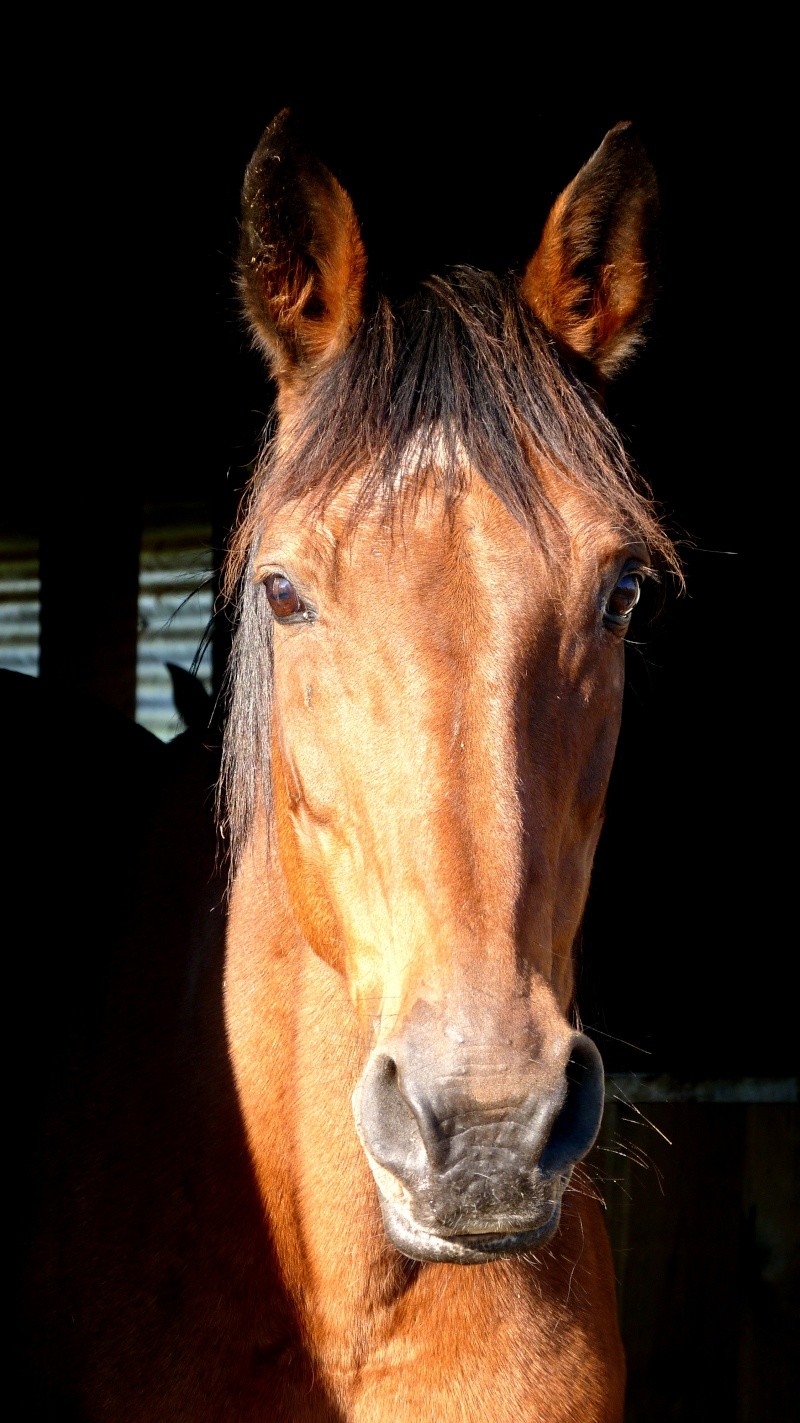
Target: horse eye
x: 283, y: 598
x: 622, y: 600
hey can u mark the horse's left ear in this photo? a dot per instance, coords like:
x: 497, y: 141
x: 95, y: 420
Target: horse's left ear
x: 301, y: 261
x: 592, y: 278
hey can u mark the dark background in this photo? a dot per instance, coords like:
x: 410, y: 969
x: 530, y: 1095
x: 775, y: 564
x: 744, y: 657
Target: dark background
x: 136, y: 384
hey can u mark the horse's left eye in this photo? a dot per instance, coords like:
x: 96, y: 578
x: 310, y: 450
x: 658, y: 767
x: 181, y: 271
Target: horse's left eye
x: 283, y: 598
x: 622, y: 600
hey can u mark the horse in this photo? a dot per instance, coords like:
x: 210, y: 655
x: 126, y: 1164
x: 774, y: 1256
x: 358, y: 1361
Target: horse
x: 325, y: 1160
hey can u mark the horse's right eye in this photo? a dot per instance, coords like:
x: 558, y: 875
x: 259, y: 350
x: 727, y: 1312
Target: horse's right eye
x: 283, y: 598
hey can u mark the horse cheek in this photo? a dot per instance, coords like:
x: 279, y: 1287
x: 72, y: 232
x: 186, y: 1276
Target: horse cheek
x: 578, y: 850
x: 304, y: 869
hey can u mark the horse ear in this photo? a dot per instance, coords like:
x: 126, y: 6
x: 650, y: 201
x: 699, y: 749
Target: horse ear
x: 592, y: 278
x: 301, y: 261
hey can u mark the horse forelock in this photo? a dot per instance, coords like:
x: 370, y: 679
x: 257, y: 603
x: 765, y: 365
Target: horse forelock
x: 460, y: 377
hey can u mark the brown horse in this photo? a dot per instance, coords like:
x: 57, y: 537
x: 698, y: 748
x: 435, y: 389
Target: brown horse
x: 325, y: 1165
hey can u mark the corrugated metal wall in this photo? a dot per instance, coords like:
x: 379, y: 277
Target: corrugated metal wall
x: 175, y: 607
x: 19, y: 605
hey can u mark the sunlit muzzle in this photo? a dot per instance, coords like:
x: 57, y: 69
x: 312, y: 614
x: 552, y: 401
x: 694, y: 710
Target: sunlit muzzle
x: 473, y: 1164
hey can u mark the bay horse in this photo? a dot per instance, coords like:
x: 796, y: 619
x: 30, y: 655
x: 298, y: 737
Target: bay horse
x: 324, y: 1160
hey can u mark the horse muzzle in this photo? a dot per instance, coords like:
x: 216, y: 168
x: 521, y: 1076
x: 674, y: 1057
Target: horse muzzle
x: 472, y: 1164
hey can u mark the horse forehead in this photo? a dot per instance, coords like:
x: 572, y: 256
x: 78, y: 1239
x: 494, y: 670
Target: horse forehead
x: 411, y: 525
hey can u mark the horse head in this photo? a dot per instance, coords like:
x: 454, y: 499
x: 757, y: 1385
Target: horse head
x: 438, y: 564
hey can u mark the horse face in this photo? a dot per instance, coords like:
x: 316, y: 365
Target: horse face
x: 447, y: 686
x: 446, y: 706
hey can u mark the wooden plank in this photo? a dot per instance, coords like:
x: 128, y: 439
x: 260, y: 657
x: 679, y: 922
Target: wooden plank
x: 673, y: 1202
x: 769, y: 1339
x: 703, y: 1216
x: 89, y: 570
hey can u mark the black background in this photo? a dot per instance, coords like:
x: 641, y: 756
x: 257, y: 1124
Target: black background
x: 135, y: 371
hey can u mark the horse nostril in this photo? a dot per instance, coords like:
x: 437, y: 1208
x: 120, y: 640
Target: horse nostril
x: 574, y: 1130
x: 388, y: 1125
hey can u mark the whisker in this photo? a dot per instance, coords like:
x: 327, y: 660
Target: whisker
x: 626, y: 1102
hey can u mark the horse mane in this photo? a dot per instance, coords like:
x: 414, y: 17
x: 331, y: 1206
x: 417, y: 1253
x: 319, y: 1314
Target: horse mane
x: 459, y: 375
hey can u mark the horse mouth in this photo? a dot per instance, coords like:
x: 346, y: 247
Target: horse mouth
x: 473, y: 1248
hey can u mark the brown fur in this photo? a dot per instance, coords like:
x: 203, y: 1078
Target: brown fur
x: 415, y: 778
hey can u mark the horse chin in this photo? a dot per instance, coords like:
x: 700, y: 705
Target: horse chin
x: 475, y: 1248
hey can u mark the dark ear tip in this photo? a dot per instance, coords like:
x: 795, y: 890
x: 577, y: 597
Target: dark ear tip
x: 624, y: 142
x: 623, y: 137
x: 624, y: 154
x: 263, y: 173
x: 280, y: 137
x: 279, y: 128
x: 283, y: 146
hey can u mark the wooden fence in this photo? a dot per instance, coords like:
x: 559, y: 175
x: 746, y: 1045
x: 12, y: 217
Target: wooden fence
x: 700, y: 1184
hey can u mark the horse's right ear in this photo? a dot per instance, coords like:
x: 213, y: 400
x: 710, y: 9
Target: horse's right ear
x: 301, y: 261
